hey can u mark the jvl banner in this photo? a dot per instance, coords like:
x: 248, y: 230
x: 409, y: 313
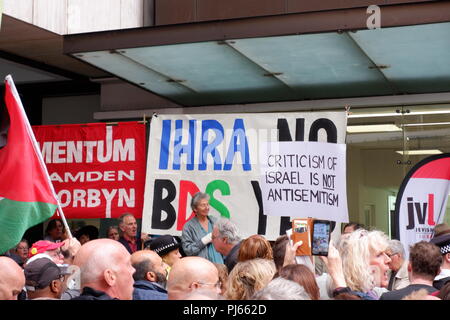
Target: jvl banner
x: 422, y: 199
x: 218, y: 154
x: 98, y: 170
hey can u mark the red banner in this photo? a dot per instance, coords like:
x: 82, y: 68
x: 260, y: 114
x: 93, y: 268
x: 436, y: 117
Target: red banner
x: 98, y: 170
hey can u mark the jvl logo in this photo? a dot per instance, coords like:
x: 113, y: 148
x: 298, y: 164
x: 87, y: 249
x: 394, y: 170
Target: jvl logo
x: 421, y: 211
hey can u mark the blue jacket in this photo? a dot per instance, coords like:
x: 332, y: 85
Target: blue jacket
x: 146, y: 290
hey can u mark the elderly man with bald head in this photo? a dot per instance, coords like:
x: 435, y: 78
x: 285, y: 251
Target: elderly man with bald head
x: 12, y: 279
x: 105, y: 271
x: 191, y: 273
x: 150, y: 276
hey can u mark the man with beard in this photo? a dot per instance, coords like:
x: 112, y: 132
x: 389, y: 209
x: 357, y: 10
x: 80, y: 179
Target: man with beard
x: 150, y: 276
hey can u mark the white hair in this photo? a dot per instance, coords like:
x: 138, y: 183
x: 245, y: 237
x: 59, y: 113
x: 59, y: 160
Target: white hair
x: 396, y: 247
x: 282, y: 289
x: 228, y: 230
x: 197, y: 198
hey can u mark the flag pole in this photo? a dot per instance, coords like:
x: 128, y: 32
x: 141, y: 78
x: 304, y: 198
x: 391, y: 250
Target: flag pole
x: 63, y: 219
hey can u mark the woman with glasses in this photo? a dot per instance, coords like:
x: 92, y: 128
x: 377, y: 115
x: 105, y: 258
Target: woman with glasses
x: 22, y: 250
x: 196, y: 237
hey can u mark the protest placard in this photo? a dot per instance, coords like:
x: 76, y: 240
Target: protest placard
x: 98, y: 170
x: 219, y: 154
x: 305, y: 179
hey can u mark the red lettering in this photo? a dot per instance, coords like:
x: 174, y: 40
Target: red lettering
x: 431, y: 210
x: 185, y: 188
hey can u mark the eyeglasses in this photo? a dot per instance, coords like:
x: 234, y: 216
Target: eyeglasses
x: 55, y: 253
x: 391, y: 254
x: 218, y: 284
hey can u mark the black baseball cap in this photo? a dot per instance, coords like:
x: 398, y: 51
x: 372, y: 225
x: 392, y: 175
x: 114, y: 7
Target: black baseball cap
x: 41, y: 272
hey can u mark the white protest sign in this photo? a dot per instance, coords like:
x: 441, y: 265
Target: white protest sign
x: 305, y: 179
x: 219, y: 154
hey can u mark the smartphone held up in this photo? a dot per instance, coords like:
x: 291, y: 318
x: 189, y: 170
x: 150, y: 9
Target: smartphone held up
x: 315, y: 235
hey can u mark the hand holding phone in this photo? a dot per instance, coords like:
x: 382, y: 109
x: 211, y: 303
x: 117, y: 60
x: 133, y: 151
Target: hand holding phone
x: 290, y: 253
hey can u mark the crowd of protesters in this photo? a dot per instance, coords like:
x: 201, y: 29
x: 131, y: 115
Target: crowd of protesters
x: 211, y: 261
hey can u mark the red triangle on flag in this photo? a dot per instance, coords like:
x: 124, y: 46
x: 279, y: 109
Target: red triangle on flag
x: 23, y: 175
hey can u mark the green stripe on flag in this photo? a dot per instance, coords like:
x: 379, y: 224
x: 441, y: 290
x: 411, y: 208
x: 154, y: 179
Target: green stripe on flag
x: 17, y: 216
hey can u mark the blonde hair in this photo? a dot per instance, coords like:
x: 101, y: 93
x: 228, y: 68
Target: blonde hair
x: 223, y: 275
x: 356, y: 251
x: 248, y: 277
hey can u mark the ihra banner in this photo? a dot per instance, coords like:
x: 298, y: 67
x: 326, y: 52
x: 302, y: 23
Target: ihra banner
x: 422, y: 199
x: 98, y: 170
x: 219, y: 154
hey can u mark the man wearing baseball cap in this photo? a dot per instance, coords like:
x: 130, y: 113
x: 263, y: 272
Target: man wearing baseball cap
x: 44, y: 280
x: 441, y: 238
x: 47, y: 248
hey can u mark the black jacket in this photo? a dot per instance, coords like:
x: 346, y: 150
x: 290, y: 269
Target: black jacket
x: 125, y: 243
x: 401, y: 293
x: 438, y: 284
x: 92, y: 294
x: 232, y: 258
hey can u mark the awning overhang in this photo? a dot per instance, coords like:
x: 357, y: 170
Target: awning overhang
x: 318, y: 55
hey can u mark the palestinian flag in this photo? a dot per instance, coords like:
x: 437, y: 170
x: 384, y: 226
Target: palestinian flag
x: 27, y: 196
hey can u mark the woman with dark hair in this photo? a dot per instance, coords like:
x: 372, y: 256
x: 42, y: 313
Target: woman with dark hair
x: 196, y: 237
x: 255, y: 246
x: 86, y: 234
x: 55, y: 231
x: 351, y: 226
x: 113, y: 233
x: 303, y: 276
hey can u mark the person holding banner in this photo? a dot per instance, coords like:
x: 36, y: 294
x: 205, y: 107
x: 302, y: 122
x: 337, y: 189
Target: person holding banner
x: 196, y: 237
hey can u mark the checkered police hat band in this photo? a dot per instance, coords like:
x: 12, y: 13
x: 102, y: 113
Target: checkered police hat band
x: 445, y: 249
x: 158, y: 250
